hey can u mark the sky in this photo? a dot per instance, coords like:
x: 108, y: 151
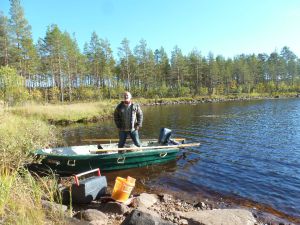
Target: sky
x: 223, y: 27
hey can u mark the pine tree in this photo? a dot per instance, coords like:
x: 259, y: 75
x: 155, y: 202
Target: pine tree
x: 127, y: 63
x: 4, y: 40
x: 71, y: 57
x: 195, y: 64
x: 290, y: 61
x: 178, y: 66
x: 20, y: 35
x: 51, y: 48
x: 107, y: 64
x: 163, y: 68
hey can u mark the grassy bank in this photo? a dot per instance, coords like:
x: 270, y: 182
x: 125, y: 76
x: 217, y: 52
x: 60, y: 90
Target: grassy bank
x: 21, y: 135
x: 95, y: 111
x: 21, y: 199
x: 20, y: 193
x: 76, y: 112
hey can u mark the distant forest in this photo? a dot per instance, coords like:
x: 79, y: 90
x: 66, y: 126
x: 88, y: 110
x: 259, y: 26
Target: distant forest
x: 54, y: 69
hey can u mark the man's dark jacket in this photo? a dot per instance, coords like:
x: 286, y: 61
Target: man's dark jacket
x: 136, y: 118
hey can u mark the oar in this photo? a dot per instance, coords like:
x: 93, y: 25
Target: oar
x: 116, y: 139
x: 148, y: 147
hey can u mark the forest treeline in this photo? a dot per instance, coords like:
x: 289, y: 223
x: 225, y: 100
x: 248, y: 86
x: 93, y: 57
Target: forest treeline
x: 55, y: 69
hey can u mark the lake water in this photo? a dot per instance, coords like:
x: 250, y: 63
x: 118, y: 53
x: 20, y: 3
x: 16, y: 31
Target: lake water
x: 249, y: 149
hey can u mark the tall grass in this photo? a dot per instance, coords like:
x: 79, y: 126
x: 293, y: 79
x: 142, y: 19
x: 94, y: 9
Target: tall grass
x: 20, y: 199
x: 70, y: 112
x: 20, y: 136
x: 20, y: 192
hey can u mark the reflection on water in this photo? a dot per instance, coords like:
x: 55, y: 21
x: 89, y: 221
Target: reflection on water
x: 143, y: 175
x: 248, y: 149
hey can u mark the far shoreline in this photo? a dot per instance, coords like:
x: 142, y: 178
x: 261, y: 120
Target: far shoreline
x: 63, y: 114
x: 173, y: 101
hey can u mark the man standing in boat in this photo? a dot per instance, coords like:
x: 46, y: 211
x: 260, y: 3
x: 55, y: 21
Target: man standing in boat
x: 128, y: 117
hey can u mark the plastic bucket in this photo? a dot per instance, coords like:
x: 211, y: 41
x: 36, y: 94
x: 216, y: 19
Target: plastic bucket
x: 131, y: 180
x: 123, y: 188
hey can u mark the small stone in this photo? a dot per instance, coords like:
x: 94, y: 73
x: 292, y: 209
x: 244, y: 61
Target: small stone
x: 52, y: 206
x: 166, y: 198
x: 183, y: 222
x: 200, y: 205
x: 98, y: 222
x: 147, y: 200
x: 114, y: 207
x: 74, y: 221
x: 91, y: 214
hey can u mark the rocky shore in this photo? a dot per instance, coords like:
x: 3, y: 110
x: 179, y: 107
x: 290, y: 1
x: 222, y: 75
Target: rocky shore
x: 214, y: 100
x: 163, y: 209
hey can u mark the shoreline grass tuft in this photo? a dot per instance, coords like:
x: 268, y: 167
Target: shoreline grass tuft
x: 70, y: 112
x: 21, y: 194
x: 20, y: 136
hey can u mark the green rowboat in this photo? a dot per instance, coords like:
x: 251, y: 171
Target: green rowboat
x: 107, y: 157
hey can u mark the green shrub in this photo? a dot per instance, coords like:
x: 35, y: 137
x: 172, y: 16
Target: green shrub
x: 12, y: 88
x: 54, y: 94
x: 36, y: 95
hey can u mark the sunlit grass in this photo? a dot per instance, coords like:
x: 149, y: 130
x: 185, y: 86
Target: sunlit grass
x: 70, y: 112
x: 21, y: 199
x: 20, y: 192
x: 20, y: 136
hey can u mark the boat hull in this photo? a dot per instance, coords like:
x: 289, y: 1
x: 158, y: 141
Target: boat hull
x: 72, y: 164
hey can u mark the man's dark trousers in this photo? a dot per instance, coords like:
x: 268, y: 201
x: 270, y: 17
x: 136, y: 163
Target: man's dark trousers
x: 123, y: 136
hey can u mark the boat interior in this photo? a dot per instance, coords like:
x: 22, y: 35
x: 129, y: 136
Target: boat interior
x: 100, y: 148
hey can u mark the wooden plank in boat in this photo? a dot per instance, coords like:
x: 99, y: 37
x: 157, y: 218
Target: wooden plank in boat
x: 116, y: 139
x: 148, y: 147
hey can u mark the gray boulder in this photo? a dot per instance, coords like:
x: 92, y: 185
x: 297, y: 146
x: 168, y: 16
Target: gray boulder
x: 114, y: 207
x: 220, y: 217
x: 138, y: 217
x: 147, y: 200
x: 74, y: 221
x: 92, y: 215
x: 54, y: 207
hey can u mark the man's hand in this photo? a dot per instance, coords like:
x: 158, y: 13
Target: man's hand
x: 137, y: 127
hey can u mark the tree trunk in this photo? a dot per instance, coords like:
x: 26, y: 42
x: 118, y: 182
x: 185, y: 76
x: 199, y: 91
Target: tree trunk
x: 69, y: 83
x: 61, y: 81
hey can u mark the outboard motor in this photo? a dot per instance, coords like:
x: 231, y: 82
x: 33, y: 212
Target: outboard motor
x: 164, y: 136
